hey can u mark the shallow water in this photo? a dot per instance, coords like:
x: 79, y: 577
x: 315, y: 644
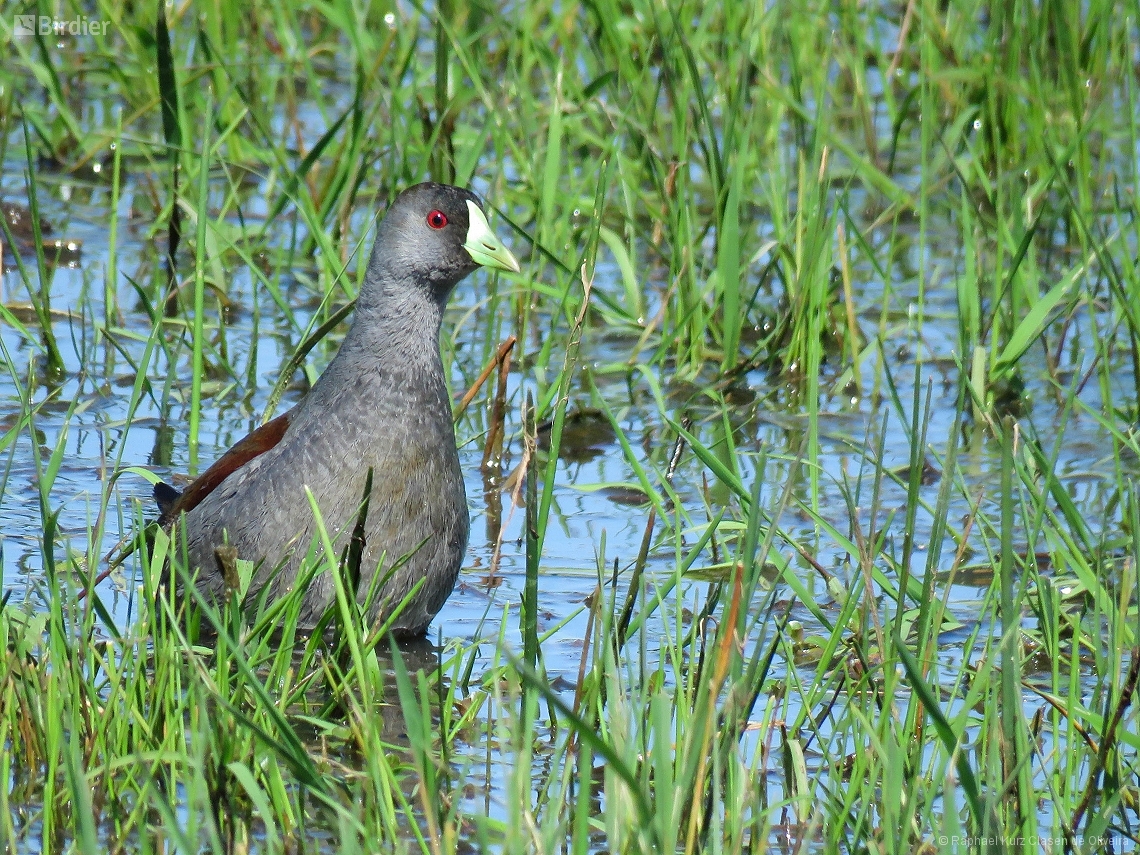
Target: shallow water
x: 98, y: 382
x: 102, y: 434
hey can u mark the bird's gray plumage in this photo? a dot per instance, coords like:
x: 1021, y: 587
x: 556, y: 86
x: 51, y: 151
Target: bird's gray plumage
x: 383, y: 404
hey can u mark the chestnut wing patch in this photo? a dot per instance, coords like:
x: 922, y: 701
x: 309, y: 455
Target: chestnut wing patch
x: 171, y: 503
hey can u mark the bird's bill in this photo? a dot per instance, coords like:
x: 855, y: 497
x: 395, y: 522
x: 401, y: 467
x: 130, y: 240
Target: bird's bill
x: 482, y: 245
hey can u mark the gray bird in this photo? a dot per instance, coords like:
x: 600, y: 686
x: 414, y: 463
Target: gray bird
x: 382, y: 404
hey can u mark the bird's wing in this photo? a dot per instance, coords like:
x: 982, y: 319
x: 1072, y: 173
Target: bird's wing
x: 254, y: 445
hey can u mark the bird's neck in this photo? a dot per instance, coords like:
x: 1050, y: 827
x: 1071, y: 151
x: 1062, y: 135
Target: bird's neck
x: 391, y: 350
x: 400, y: 326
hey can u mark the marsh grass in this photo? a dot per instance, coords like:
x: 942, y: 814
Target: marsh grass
x: 906, y: 235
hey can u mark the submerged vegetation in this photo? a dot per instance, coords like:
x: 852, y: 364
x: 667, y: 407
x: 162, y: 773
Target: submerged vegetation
x: 833, y: 310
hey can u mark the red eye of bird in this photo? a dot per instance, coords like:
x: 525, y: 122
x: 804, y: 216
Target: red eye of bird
x: 437, y: 219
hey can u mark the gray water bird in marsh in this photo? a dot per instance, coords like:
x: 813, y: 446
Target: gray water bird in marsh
x: 381, y: 409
